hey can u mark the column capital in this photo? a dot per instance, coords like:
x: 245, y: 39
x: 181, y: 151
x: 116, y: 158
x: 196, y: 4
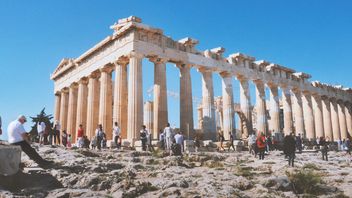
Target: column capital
x: 106, y: 69
x: 74, y: 85
x: 57, y: 93
x: 272, y: 85
x: 64, y: 90
x: 157, y: 60
x: 182, y: 66
x: 134, y: 54
x: 95, y: 74
x: 225, y: 74
x: 122, y: 60
x: 83, y: 80
x: 241, y: 78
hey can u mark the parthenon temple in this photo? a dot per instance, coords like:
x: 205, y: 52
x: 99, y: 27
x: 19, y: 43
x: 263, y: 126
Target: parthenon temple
x: 86, y: 94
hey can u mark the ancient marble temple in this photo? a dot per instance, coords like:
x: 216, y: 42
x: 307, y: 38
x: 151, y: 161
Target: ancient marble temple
x: 86, y: 94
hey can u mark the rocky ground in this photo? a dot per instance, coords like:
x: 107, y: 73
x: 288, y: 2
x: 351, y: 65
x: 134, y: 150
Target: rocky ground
x: 111, y: 173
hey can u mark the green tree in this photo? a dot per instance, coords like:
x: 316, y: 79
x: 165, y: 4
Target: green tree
x: 41, y: 117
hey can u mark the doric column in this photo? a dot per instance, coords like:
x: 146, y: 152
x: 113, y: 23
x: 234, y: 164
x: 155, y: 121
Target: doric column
x: 64, y: 109
x: 57, y: 106
x: 186, y: 106
x: 348, y: 112
x: 342, y: 119
x: 208, y: 113
x: 318, y: 115
x: 260, y: 106
x: 327, y: 118
x: 335, y: 120
x: 72, y: 111
x: 200, y: 116
x: 92, y: 104
x: 135, y: 97
x: 298, y: 112
x: 274, y: 110
x: 227, y: 105
x: 286, y: 103
x: 308, y: 115
x: 105, y: 105
x: 121, y: 95
x: 160, y: 96
x: 148, y: 117
x: 82, y: 104
x: 245, y: 103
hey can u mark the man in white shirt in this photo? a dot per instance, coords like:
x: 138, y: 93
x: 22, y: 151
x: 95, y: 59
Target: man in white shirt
x: 17, y: 135
x: 179, y: 139
x: 41, y: 130
x: 168, y: 136
x: 117, y: 133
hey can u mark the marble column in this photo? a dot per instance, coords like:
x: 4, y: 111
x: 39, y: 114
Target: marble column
x: 186, y: 105
x: 274, y: 109
x: 72, y: 111
x: 245, y: 103
x: 64, y: 109
x: 200, y: 116
x: 105, y: 104
x: 335, y: 120
x: 348, y: 112
x: 227, y: 105
x: 208, y: 113
x: 287, y: 106
x: 82, y: 104
x: 57, y: 106
x: 135, y: 97
x: 260, y: 107
x: 93, y: 104
x: 148, y: 118
x: 121, y: 95
x: 328, y: 132
x: 308, y: 115
x: 342, y: 120
x: 318, y: 115
x: 160, y: 96
x: 298, y: 112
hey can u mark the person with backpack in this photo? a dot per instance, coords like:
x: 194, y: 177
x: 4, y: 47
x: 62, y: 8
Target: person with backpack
x: 261, y: 145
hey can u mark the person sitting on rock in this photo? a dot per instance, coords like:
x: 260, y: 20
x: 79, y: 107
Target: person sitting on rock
x: 17, y: 135
x: 176, y: 148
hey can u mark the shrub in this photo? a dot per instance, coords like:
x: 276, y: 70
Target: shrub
x: 305, y: 181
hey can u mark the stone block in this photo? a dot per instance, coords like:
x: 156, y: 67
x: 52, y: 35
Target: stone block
x: 126, y: 143
x: 189, y: 146
x: 10, y: 159
x: 238, y: 143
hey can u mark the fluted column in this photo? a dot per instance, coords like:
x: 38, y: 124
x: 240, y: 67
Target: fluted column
x: 274, y: 108
x: 342, y: 120
x: 245, y: 103
x: 327, y: 118
x: 186, y: 106
x: 64, y: 109
x: 200, y: 116
x: 93, y: 104
x: 105, y: 105
x: 121, y: 95
x: 298, y: 112
x: 72, y: 111
x: 286, y: 102
x: 318, y: 115
x: 335, y: 120
x: 260, y: 107
x: 308, y: 115
x: 57, y: 106
x: 160, y: 96
x: 82, y: 104
x: 148, y: 117
x: 208, y: 112
x: 348, y: 112
x: 135, y: 97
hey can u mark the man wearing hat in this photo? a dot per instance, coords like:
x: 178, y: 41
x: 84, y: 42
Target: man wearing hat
x: 17, y: 135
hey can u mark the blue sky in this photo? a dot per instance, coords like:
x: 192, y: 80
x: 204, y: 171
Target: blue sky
x: 311, y: 36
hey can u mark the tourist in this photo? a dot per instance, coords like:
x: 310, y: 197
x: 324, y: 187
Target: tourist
x: 231, y: 142
x: 143, y: 136
x: 179, y: 139
x: 86, y: 142
x: 343, y: 145
x: 69, y: 141
x: 64, y: 138
x: 161, y: 139
x: 17, y: 135
x: 169, y: 136
x: 117, y: 133
x: 339, y: 144
x: 324, y: 148
x: 269, y: 143
x: 57, y: 128
x: 260, y: 141
x: 41, y: 131
x: 93, y: 143
x: 176, y: 148
x: 196, y: 142
x: 299, y: 143
x: 252, y: 145
x: 99, y: 134
x: 348, y: 146
x: 104, y: 141
x: 50, y: 134
x: 290, y: 148
x: 80, y: 134
x: 317, y: 140
x: 221, y: 139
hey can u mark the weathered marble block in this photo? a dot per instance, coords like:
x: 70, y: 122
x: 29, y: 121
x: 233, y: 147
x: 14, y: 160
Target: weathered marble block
x: 10, y: 159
